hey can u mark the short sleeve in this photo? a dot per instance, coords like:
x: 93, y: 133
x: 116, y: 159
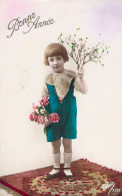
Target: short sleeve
x: 77, y: 84
x: 44, y: 91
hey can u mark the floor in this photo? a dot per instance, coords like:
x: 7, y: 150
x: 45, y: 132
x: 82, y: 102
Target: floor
x: 4, y: 193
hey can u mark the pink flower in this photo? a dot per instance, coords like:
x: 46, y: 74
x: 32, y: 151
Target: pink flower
x: 35, y: 112
x: 34, y: 106
x: 44, y: 101
x: 32, y: 116
x: 54, y: 118
x: 36, y: 118
x: 41, y: 119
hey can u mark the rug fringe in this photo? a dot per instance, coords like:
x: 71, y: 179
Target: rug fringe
x: 9, y: 191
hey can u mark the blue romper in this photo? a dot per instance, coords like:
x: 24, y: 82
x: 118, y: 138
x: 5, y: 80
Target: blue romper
x: 67, y: 111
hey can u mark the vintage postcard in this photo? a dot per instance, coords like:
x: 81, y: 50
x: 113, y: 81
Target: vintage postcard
x: 60, y: 88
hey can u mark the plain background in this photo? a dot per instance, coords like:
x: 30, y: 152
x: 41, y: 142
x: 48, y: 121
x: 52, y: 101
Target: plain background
x: 23, y: 145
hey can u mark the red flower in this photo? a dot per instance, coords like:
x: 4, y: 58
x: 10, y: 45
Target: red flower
x: 35, y: 117
x: 44, y: 101
x: 32, y: 116
x: 54, y: 118
x: 41, y: 119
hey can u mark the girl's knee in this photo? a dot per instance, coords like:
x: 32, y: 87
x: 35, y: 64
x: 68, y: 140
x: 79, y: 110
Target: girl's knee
x: 67, y: 143
x: 56, y: 144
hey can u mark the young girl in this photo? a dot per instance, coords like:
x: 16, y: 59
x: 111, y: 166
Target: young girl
x: 59, y: 87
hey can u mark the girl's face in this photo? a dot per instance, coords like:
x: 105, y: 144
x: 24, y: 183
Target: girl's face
x: 56, y: 63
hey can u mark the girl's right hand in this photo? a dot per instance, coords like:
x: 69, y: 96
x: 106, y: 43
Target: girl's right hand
x: 47, y: 123
x: 81, y: 72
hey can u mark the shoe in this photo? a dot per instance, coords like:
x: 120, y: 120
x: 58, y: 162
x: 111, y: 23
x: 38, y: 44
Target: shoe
x: 70, y: 178
x: 51, y: 176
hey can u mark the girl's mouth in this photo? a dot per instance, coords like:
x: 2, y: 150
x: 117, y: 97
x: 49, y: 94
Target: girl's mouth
x: 57, y: 67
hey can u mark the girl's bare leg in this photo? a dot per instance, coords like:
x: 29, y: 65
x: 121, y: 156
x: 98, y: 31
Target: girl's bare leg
x: 67, y: 143
x: 56, y: 146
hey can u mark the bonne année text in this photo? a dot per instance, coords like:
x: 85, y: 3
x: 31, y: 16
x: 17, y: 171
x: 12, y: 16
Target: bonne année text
x: 30, y: 22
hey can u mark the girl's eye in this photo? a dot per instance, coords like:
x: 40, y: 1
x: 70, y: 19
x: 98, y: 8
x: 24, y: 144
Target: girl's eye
x: 50, y: 59
x: 57, y: 58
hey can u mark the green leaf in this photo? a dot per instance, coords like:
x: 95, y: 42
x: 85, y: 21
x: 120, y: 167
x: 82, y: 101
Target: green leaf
x: 74, y: 34
x: 103, y: 65
x: 99, y: 61
x: 78, y: 29
x: 45, y: 130
x: 62, y: 41
x: 73, y: 45
x: 102, y: 50
x: 107, y: 51
x: 96, y: 50
x: 86, y: 37
x: 60, y: 35
x: 80, y: 39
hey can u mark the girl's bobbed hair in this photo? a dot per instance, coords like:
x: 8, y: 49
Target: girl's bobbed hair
x: 55, y: 49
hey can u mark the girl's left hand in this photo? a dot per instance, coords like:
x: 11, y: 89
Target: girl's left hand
x: 47, y: 123
x: 81, y: 72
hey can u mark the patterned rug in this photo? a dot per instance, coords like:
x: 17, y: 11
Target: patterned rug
x: 90, y: 179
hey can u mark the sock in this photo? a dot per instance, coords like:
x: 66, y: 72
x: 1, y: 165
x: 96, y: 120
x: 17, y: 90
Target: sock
x: 56, y: 163
x: 67, y: 162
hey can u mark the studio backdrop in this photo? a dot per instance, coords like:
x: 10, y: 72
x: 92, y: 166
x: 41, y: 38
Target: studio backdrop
x: 26, y: 28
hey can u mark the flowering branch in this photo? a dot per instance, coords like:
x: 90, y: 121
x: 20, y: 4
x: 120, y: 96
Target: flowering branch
x: 80, y: 53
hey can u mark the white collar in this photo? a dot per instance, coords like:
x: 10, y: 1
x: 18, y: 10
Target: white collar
x: 59, y: 74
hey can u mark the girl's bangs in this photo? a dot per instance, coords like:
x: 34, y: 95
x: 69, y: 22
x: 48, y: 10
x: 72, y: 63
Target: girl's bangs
x: 55, y: 52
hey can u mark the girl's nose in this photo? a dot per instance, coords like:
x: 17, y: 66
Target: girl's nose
x: 55, y: 62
